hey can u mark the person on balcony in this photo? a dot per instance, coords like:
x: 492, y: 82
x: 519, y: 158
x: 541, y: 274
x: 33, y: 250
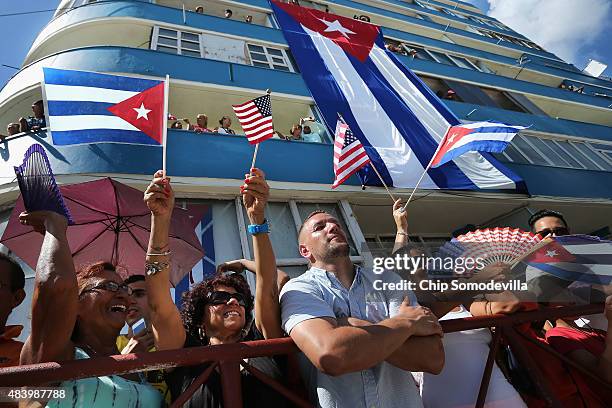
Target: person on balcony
x: 225, y: 126
x: 11, y: 129
x: 201, y: 125
x: 199, y: 10
x: 12, y: 282
x: 78, y: 315
x: 295, y: 133
x: 217, y: 310
x: 228, y: 13
x: 36, y: 122
x: 359, y: 343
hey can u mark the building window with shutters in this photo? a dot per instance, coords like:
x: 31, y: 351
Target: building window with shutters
x: 269, y: 57
x: 176, y: 42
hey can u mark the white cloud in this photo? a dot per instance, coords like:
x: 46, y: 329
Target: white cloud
x: 562, y: 27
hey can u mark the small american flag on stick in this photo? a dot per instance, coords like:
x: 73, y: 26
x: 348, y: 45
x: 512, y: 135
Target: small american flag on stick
x: 349, y: 154
x: 255, y: 117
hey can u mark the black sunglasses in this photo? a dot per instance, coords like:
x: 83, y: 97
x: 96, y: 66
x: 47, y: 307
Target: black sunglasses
x: 110, y: 286
x: 220, y: 298
x: 557, y: 231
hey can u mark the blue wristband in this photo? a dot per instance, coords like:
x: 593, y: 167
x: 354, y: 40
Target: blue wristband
x: 255, y: 229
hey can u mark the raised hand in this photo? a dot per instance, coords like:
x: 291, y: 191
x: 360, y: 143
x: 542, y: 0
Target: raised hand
x: 40, y: 221
x: 424, y: 322
x: 255, y: 193
x: 159, y: 196
x: 141, y: 342
x: 400, y: 216
x: 231, y: 266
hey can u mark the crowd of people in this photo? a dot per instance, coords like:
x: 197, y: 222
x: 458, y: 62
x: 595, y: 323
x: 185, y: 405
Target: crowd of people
x: 30, y: 123
x: 307, y: 129
x: 359, y: 347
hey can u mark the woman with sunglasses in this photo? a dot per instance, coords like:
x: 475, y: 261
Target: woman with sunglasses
x: 78, y: 315
x: 217, y: 310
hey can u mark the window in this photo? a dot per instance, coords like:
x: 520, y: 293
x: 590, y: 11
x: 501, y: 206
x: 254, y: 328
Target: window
x: 421, y: 53
x: 528, y: 151
x: 463, y: 62
x: 502, y: 101
x: 176, y: 42
x: 268, y: 57
x: 425, y: 5
x: 559, y: 153
x: 441, y: 58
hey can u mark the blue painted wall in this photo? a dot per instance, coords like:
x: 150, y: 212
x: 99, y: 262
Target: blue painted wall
x: 223, y: 156
x: 148, y: 62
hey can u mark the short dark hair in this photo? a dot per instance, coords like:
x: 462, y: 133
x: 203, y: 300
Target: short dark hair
x: 134, y: 278
x: 195, y: 299
x: 464, y: 230
x: 309, y: 216
x: 223, y: 117
x: 545, y: 213
x: 17, y: 274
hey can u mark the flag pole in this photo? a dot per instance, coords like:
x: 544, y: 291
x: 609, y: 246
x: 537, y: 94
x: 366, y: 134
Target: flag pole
x: 165, y: 124
x: 381, y: 180
x: 254, y: 156
x: 425, y: 171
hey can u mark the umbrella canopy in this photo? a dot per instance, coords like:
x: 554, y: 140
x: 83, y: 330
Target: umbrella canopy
x: 111, y: 223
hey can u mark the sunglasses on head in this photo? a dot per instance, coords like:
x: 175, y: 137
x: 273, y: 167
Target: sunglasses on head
x: 220, y: 298
x: 109, y: 286
x: 550, y: 231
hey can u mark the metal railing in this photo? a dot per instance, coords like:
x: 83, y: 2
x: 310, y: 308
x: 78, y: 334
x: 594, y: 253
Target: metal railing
x: 228, y: 358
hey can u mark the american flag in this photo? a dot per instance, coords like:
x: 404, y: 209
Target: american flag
x: 349, y: 154
x: 255, y: 117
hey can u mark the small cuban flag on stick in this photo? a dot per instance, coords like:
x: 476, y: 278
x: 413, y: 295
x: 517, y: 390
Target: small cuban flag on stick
x: 489, y: 137
x: 255, y: 117
x: 88, y: 107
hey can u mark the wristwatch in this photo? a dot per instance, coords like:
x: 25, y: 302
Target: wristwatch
x: 152, y: 268
x: 255, y: 229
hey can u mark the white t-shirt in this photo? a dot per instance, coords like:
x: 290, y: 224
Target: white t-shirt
x: 459, y: 382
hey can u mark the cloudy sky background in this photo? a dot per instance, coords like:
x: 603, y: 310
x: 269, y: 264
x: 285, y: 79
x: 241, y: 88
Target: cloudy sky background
x: 574, y: 30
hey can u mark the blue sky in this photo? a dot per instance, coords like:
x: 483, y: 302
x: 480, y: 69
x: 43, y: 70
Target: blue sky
x: 573, y: 30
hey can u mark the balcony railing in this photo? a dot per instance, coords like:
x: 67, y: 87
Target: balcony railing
x: 229, y: 357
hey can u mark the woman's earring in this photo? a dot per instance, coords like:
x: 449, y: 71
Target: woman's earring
x: 202, y: 334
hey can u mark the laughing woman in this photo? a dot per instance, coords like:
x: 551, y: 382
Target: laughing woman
x: 78, y: 315
x: 217, y: 310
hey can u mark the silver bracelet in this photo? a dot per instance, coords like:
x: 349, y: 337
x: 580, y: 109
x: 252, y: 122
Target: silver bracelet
x: 401, y: 233
x: 159, y: 254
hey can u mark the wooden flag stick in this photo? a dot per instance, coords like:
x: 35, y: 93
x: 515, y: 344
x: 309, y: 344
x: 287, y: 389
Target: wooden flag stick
x: 165, y: 124
x: 382, y: 181
x: 425, y: 171
x: 254, y: 156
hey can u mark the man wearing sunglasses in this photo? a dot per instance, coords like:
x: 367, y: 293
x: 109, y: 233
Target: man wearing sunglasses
x: 548, y: 223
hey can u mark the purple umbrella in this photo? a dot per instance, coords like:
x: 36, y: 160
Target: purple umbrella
x: 111, y: 223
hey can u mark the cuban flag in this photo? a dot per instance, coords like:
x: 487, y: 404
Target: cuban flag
x: 87, y: 107
x: 390, y: 110
x: 576, y: 258
x: 474, y: 137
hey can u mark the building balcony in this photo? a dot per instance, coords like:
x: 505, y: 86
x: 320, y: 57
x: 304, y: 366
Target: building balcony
x: 551, y: 101
x: 216, y: 157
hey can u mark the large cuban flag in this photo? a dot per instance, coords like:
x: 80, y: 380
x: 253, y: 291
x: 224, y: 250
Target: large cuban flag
x: 87, y: 107
x: 397, y: 118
